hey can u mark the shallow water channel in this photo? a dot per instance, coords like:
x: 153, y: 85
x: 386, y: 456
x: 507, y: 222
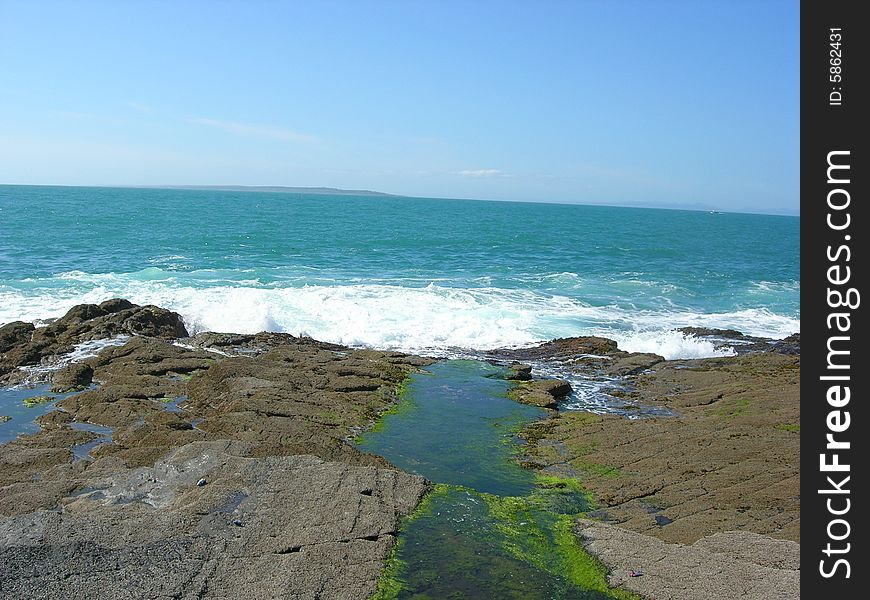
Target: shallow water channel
x: 490, y: 529
x: 23, y: 404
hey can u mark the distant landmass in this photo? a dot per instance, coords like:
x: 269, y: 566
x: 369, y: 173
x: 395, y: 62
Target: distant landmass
x: 272, y: 188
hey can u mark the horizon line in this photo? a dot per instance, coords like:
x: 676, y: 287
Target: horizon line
x: 340, y: 191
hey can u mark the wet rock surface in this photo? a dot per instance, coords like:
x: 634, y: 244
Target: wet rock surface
x: 741, y: 343
x: 23, y: 345
x: 76, y: 376
x: 591, y: 355
x: 15, y: 333
x: 545, y: 393
x: 288, y: 508
x: 519, y: 372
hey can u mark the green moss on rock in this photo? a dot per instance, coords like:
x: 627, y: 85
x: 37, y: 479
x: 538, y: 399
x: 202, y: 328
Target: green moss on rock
x: 539, y: 529
x: 796, y: 428
x: 390, y: 582
x: 37, y: 400
x: 733, y: 408
x: 599, y: 469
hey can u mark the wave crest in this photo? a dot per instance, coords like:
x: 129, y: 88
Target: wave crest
x: 414, y: 319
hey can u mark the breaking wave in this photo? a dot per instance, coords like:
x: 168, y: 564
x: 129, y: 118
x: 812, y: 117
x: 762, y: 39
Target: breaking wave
x: 418, y: 318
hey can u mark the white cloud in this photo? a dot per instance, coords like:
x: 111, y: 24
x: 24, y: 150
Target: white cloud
x: 482, y: 173
x: 260, y: 131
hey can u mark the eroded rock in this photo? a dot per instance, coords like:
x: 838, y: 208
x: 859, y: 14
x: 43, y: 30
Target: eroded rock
x: 593, y: 355
x: 73, y: 377
x: 519, y: 372
x: 22, y: 345
x: 15, y: 333
x: 731, y: 565
x: 266, y: 421
x: 310, y: 529
x: 545, y: 393
x: 728, y: 460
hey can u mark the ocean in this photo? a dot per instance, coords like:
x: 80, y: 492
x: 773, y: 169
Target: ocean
x: 437, y: 276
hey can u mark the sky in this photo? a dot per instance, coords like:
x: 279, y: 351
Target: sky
x: 678, y: 104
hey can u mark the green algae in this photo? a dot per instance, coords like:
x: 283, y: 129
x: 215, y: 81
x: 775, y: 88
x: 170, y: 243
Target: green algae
x: 584, y: 568
x: 733, y: 408
x: 402, y: 403
x: 538, y: 529
x: 37, y: 400
x: 402, y: 386
x: 461, y: 543
x: 24, y: 406
x: 389, y: 583
x: 489, y: 528
x: 516, y: 391
x: 795, y: 428
x: 566, y: 484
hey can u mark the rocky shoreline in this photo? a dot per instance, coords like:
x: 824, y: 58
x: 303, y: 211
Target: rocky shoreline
x: 231, y: 470
x: 728, y: 460
x: 248, y: 487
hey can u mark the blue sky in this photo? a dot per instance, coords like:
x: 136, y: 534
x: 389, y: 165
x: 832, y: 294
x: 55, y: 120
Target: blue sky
x: 678, y: 104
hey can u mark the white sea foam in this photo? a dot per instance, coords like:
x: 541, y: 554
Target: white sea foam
x: 774, y: 286
x: 430, y: 318
x: 79, y: 353
x: 670, y: 344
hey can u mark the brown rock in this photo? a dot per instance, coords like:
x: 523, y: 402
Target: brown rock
x: 15, y: 333
x: 76, y: 315
x: 82, y: 323
x: 254, y: 344
x: 562, y: 348
x: 307, y: 528
x: 730, y: 334
x: 729, y: 460
x: 545, y: 393
x: 268, y: 428
x: 790, y: 345
x: 115, y: 305
x: 727, y: 566
x: 76, y: 376
x: 519, y: 372
x: 627, y: 364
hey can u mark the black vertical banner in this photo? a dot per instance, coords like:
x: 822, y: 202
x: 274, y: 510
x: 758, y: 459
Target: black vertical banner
x: 834, y: 227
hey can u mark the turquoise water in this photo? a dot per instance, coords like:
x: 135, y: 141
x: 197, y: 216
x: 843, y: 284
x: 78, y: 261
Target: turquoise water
x: 397, y: 272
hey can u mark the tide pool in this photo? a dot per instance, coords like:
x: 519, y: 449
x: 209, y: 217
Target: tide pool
x: 490, y: 529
